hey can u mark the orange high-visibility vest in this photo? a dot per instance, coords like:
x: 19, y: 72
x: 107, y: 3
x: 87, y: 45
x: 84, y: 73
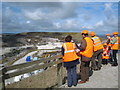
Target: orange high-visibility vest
x: 97, y: 43
x: 115, y: 45
x: 105, y: 50
x: 69, y: 52
x: 119, y: 40
x: 88, y: 52
x: 109, y: 45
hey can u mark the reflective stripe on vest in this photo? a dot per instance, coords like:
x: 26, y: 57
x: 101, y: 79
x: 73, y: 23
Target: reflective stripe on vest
x: 116, y: 43
x: 69, y: 51
x: 97, y: 43
x: 65, y: 47
x: 105, y: 51
x: 95, y: 38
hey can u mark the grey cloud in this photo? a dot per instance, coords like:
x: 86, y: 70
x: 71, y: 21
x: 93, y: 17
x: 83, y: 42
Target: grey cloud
x: 66, y: 11
x: 41, y: 15
x: 34, y: 5
x: 44, y: 16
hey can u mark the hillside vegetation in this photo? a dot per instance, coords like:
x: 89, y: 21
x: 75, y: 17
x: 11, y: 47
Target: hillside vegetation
x: 34, y: 38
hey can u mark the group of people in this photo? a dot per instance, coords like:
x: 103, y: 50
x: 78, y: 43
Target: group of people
x: 89, y: 50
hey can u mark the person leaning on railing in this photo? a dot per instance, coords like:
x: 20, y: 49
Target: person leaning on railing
x: 70, y: 60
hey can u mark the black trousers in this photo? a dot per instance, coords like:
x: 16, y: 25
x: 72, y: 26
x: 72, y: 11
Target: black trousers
x: 114, y: 52
x: 104, y: 61
x: 84, y: 68
x: 98, y: 55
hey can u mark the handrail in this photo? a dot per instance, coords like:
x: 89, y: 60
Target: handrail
x: 28, y: 67
x: 36, y: 67
x: 23, y: 65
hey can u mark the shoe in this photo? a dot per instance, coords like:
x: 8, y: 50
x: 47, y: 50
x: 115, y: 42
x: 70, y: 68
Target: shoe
x: 75, y: 85
x: 70, y: 86
x: 81, y: 82
x: 99, y: 68
x: 95, y: 69
x: 114, y: 64
x: 87, y: 80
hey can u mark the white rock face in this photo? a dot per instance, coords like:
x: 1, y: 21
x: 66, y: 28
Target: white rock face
x: 50, y: 45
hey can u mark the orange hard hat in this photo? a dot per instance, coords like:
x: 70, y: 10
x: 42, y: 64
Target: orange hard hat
x: 84, y: 32
x: 115, y: 33
x: 92, y: 33
x: 107, y: 34
x: 105, y: 44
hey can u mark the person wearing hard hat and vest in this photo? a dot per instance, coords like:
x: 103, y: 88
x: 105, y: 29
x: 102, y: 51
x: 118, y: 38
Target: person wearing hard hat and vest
x: 70, y: 60
x: 114, y: 48
x: 98, y: 49
x: 105, y: 54
x: 86, y: 52
x: 109, y: 46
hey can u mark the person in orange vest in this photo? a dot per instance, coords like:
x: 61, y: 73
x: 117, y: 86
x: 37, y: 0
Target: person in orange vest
x: 114, y: 48
x: 70, y: 59
x: 109, y: 46
x: 105, y: 54
x: 86, y: 51
x: 108, y: 39
x: 98, y: 49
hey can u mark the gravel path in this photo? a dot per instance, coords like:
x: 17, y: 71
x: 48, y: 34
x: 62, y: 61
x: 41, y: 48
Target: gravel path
x: 107, y: 77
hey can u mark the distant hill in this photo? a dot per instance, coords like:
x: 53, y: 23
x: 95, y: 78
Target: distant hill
x: 36, y: 38
x: 33, y: 38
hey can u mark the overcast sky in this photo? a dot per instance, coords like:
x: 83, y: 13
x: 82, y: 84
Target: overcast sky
x: 101, y: 17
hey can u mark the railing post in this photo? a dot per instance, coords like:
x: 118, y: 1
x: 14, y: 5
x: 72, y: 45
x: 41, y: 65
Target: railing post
x: 2, y: 81
x: 59, y: 74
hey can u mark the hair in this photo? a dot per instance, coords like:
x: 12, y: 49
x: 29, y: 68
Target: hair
x: 85, y: 34
x: 68, y: 38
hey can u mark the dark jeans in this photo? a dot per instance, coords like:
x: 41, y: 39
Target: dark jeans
x: 98, y: 55
x: 111, y: 56
x: 104, y: 61
x: 71, y: 76
x: 114, y: 52
x: 84, y: 68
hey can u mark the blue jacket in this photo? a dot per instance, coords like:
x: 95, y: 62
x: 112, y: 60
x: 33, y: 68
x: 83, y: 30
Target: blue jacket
x: 28, y: 59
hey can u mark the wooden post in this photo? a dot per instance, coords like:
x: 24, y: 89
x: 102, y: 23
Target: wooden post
x: 59, y: 74
x: 2, y: 81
